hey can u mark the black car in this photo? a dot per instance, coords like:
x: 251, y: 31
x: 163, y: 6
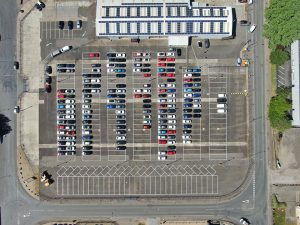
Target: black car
x: 71, y: 121
x: 86, y: 90
x: 121, y: 96
x: 87, y: 86
x: 221, y: 100
x: 16, y: 65
x: 121, y: 148
x: 145, y: 111
x: 121, y: 127
x: 171, y: 80
x: 244, y: 23
x: 70, y: 25
x: 87, y: 127
x: 146, y: 65
x: 84, y: 148
x: 162, y: 110
x: 196, y: 74
x: 48, y: 79
x: 96, y: 85
x: 171, y: 110
x: 95, y: 75
x: 197, y: 110
x: 196, y: 79
x: 86, y: 121
x: 111, y: 54
x: 84, y: 152
x: 187, y: 131
x: 206, y: 43
x: 121, y: 132
x: 172, y: 147
x: 178, y: 51
x: 120, y: 101
x: 146, y: 106
x: 61, y: 25
x: 120, y: 65
x: 120, y: 75
x: 162, y: 95
x: 121, y: 142
x: 145, y: 70
x: 170, y: 64
x: 121, y: 85
x: 96, y: 65
x: 117, y: 59
x: 187, y: 110
x: 146, y: 100
x: 196, y: 90
x: 197, y: 115
x: 48, y: 88
x: 199, y: 44
x: 48, y: 69
x: 87, y: 95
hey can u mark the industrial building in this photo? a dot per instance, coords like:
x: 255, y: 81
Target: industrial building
x: 162, y: 18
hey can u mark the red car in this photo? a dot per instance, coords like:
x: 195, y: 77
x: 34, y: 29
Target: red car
x: 161, y: 64
x: 161, y: 59
x: 170, y: 59
x: 61, y: 96
x: 138, y: 95
x: 162, y: 105
x: 171, y: 75
x: 147, y: 126
x: 94, y: 54
x: 71, y: 133
x: 162, y: 142
x: 146, y: 96
x: 161, y: 74
x: 171, y: 131
x: 162, y: 90
x: 187, y: 80
x: 171, y: 152
x: 60, y: 127
x: 147, y: 75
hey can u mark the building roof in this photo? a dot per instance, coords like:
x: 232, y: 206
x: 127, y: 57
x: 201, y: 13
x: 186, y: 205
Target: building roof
x: 162, y: 18
x: 295, y: 62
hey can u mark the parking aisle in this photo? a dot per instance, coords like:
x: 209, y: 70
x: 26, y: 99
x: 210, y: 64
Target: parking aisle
x: 91, y: 89
x: 142, y: 105
x: 217, y: 86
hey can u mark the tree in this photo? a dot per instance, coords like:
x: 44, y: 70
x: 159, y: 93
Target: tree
x: 279, y: 56
x: 282, y: 22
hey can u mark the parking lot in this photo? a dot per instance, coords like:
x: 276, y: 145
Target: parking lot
x: 135, y: 114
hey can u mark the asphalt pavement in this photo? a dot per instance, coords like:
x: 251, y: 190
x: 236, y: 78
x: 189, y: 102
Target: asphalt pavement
x: 18, y: 208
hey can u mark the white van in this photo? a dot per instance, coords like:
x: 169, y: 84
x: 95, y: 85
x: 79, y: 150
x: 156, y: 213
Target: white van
x: 221, y: 106
x: 221, y: 111
x: 66, y: 48
x: 55, y: 53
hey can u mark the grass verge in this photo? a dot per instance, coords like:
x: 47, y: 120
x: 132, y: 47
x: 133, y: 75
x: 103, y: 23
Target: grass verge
x: 278, y: 211
x: 274, y: 78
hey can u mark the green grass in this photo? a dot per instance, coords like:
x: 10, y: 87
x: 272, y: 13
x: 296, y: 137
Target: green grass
x: 274, y: 78
x: 278, y: 211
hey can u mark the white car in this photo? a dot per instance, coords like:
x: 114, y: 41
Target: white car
x: 110, y: 65
x: 244, y: 221
x: 171, y: 142
x: 121, y: 91
x: 222, y: 95
x: 70, y: 148
x: 162, y: 116
x: 171, y: 85
x: 172, y: 127
x: 162, y: 100
x: 196, y: 105
x: 146, y: 85
x: 95, y: 80
x: 171, y: 106
x: 162, y: 153
x: 187, y: 141
x: 147, y: 116
x: 122, y: 138
x: 187, y: 75
x: 172, y: 121
x: 95, y: 90
x: 84, y: 111
x: 86, y: 106
x: 162, y: 127
x: 146, y: 121
x: 162, y: 157
x: 162, y: 85
x: 146, y: 60
x: 170, y: 54
x: 70, y: 116
x: 70, y: 138
x: 162, y: 136
x: 161, y: 54
x: 189, y: 95
x: 70, y: 106
x: 70, y: 111
x: 171, y: 95
x: 252, y: 28
x: 110, y: 70
x: 87, y: 81
x: 137, y: 65
x: 120, y: 55
x: 136, y: 70
x: 96, y: 70
x: 186, y: 121
x: 61, y: 132
x: 68, y: 101
x: 137, y: 90
x: 120, y: 112
x: 147, y: 90
x: 171, y: 116
x: 171, y: 100
x: 186, y: 136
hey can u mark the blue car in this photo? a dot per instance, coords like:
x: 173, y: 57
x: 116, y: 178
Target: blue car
x: 111, y: 106
x: 187, y: 116
x: 171, y: 90
x: 188, y: 85
x: 187, y: 90
x: 120, y: 70
x: 60, y: 106
x: 187, y: 126
x: 161, y: 70
x: 196, y: 70
x: 188, y: 100
x: 162, y: 132
x: 87, y: 137
x: 196, y: 95
x: 86, y: 117
x: 197, y: 85
x: 170, y: 70
x: 111, y: 96
x: 187, y: 105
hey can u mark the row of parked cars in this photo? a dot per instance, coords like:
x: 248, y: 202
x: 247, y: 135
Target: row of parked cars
x: 116, y: 97
x: 66, y: 122
x: 222, y: 103
x: 192, y: 101
x: 91, y: 85
x: 167, y: 104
